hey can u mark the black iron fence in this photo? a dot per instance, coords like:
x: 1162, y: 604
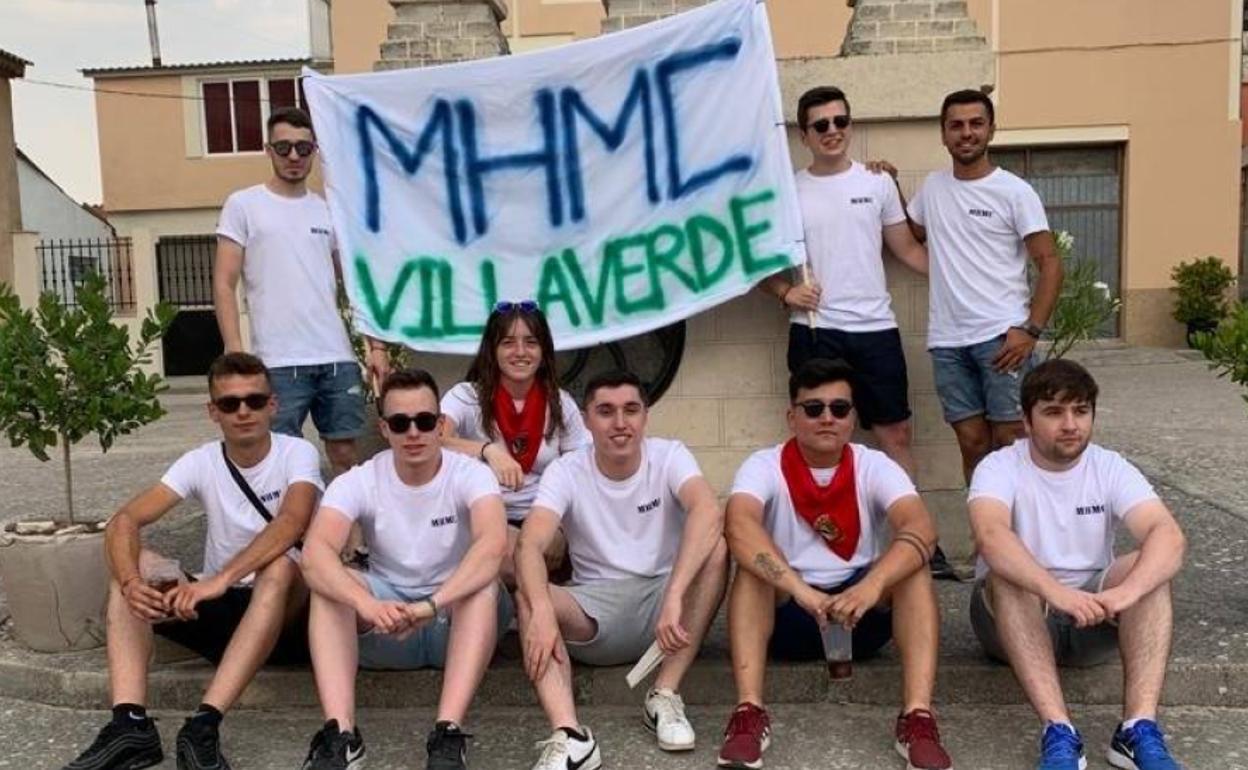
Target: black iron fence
x: 184, y: 269
x: 65, y: 262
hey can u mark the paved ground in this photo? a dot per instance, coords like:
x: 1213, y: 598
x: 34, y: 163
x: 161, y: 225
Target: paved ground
x: 1164, y: 410
x: 824, y: 737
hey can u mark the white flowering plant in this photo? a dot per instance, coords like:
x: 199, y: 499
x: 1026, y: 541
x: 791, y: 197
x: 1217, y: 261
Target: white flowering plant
x: 1085, y: 304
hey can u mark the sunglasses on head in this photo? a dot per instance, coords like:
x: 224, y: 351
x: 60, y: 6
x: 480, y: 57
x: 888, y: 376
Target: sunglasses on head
x: 526, y: 306
x: 231, y: 404
x: 399, y: 423
x: 303, y: 148
x: 822, y: 125
x: 814, y: 408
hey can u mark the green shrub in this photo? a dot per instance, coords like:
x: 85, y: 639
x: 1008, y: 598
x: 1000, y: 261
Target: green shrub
x: 1227, y: 346
x: 1201, y: 291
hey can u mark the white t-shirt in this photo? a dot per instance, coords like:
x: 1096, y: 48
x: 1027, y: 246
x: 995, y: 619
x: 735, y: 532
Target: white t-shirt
x: 416, y: 536
x: 978, y: 265
x: 460, y: 404
x: 232, y: 520
x: 843, y: 216
x: 288, y: 276
x: 1066, y: 519
x: 880, y: 483
x: 620, y: 529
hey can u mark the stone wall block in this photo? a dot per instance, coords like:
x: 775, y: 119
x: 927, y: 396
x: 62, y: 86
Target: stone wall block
x: 896, y: 29
x: 912, y: 11
x: 914, y: 45
x: 951, y: 9
x: 479, y: 12
x: 417, y: 12
x: 394, y: 50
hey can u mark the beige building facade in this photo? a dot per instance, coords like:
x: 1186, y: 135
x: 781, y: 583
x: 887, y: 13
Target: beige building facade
x: 1090, y: 101
x: 11, y: 67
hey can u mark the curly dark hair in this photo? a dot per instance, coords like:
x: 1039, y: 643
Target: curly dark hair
x: 485, y: 375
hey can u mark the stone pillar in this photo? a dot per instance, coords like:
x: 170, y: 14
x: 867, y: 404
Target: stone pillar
x: 623, y: 14
x: 911, y: 26
x: 426, y: 32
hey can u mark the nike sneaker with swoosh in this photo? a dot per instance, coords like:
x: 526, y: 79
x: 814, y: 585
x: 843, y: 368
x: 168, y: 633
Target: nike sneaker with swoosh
x: 334, y: 749
x: 567, y: 749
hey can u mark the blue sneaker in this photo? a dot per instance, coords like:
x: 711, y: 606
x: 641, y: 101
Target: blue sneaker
x: 1061, y: 748
x: 1141, y: 747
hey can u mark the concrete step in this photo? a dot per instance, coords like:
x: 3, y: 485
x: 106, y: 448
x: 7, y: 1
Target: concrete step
x: 965, y: 676
x: 804, y: 737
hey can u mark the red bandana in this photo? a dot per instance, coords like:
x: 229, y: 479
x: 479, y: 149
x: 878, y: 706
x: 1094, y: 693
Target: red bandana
x: 832, y: 510
x: 522, y: 431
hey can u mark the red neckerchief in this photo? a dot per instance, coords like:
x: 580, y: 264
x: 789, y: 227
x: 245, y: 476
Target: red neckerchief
x: 522, y: 431
x: 831, y: 511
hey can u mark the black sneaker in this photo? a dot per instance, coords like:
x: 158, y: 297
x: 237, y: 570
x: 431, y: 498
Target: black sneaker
x: 122, y: 746
x: 941, y: 568
x: 199, y: 747
x: 334, y: 749
x: 447, y: 746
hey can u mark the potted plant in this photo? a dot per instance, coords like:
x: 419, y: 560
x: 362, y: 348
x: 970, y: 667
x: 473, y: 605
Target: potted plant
x: 1201, y: 294
x: 66, y: 373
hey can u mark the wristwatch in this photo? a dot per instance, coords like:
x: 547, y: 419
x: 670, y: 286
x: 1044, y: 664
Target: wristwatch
x: 1034, y: 330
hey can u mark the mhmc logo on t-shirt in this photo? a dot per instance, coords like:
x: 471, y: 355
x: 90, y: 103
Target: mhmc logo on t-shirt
x: 1090, y: 510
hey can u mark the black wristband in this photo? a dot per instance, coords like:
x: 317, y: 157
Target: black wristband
x: 481, y: 454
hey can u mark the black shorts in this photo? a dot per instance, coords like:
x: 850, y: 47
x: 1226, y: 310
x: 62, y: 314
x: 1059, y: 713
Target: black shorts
x: 210, y: 633
x: 881, y: 388
x: 796, y: 634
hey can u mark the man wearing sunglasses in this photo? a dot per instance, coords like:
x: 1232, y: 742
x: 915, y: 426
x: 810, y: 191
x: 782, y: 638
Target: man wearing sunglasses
x: 249, y: 602
x: 849, y: 213
x: 1050, y: 590
x: 804, y: 523
x: 645, y: 537
x: 277, y: 237
x: 434, y: 524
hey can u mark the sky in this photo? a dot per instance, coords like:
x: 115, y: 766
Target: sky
x: 56, y: 126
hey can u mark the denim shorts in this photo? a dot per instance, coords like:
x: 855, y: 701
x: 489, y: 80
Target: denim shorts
x: 969, y: 386
x: 426, y: 647
x: 333, y: 393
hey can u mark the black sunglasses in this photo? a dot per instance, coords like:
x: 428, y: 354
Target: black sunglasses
x: 303, y: 148
x: 822, y: 125
x: 526, y: 306
x: 254, y: 402
x: 814, y: 408
x: 399, y: 423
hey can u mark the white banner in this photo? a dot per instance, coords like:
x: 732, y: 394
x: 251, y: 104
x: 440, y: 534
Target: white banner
x: 624, y: 182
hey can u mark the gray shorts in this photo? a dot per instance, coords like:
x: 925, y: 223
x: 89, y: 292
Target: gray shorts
x: 626, y: 612
x: 1072, y: 646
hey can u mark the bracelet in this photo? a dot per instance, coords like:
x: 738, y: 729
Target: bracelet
x: 481, y: 454
x: 433, y: 606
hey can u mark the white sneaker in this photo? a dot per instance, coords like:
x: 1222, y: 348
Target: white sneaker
x: 665, y: 717
x: 564, y: 752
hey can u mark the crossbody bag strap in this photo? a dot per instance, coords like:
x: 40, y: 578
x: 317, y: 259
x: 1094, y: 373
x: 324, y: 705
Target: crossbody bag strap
x: 247, y: 490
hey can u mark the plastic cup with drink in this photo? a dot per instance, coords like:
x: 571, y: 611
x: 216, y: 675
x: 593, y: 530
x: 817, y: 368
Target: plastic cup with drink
x: 163, y: 575
x: 838, y: 650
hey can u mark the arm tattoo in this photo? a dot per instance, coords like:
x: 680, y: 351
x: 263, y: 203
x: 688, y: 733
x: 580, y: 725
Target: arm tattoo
x: 769, y: 566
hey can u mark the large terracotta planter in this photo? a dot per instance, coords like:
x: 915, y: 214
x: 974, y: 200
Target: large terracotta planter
x: 57, y: 588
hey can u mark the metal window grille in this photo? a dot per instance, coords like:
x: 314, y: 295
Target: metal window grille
x: 184, y: 269
x: 65, y: 262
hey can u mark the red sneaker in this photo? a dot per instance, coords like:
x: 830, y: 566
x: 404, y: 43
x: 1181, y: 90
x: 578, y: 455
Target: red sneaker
x: 747, y: 737
x: 918, y: 741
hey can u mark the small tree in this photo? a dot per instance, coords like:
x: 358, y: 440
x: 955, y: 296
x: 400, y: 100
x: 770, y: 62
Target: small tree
x: 66, y: 373
x: 1085, y: 303
x: 1227, y: 346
